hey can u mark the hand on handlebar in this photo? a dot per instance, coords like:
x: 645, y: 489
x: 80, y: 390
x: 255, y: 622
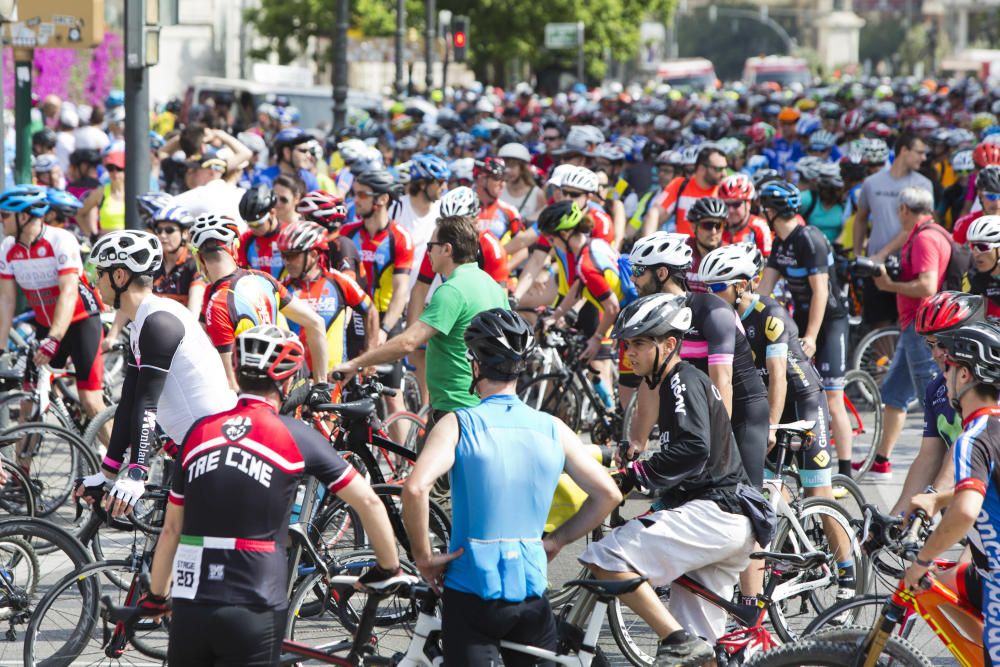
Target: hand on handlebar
x: 917, y: 576
x: 922, y: 505
x: 153, y: 606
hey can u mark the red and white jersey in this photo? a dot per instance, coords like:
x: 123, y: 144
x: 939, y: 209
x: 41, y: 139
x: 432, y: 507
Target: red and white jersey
x: 36, y: 270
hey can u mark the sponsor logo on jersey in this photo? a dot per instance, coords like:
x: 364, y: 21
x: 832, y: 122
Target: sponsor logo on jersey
x: 678, y: 389
x: 216, y: 571
x: 773, y: 328
x: 236, y: 428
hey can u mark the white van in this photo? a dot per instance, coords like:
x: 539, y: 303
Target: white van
x: 690, y: 73
x: 782, y: 70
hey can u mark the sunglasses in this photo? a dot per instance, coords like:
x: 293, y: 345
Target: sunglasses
x: 362, y: 195
x: 638, y: 270
x: 552, y: 138
x: 572, y: 194
x: 431, y: 244
x: 113, y: 168
x: 715, y: 288
x: 934, y: 345
x: 734, y: 203
x: 169, y: 231
x: 715, y: 168
x: 291, y: 254
x: 982, y: 247
x: 991, y: 196
x: 710, y: 226
x: 304, y: 149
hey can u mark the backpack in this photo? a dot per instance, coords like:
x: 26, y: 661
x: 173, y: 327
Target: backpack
x: 959, y: 263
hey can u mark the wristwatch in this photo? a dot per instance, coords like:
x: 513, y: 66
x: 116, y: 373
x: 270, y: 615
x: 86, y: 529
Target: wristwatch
x: 136, y: 474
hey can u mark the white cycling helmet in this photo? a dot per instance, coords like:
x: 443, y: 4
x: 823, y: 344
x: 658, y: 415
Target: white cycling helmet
x: 962, y: 160
x: 462, y: 169
x: 729, y: 263
x: 559, y: 174
x: 985, y: 229
x: 214, y: 227
x: 662, y: 249
x: 138, y: 252
x: 689, y: 155
x: 266, y: 351
x: 653, y: 316
x: 459, y: 203
x: 582, y: 179
x: 808, y: 167
x: 351, y: 150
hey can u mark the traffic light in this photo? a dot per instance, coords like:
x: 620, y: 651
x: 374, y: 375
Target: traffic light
x: 460, y: 37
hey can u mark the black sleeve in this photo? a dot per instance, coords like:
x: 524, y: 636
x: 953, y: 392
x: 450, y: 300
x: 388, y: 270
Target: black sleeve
x: 120, y: 431
x: 161, y: 335
x: 719, y: 329
x: 322, y: 461
x: 811, y: 252
x: 685, y: 456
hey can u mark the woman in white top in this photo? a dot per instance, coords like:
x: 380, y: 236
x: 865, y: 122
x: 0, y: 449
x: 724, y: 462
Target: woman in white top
x: 520, y: 189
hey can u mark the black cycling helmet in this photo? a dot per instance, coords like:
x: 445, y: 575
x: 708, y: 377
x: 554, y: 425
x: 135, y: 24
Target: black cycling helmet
x: 380, y: 181
x: 499, y: 340
x: 85, y: 156
x: 707, y: 208
x: 559, y: 216
x: 45, y: 138
x: 977, y: 347
x: 988, y: 179
x: 256, y: 203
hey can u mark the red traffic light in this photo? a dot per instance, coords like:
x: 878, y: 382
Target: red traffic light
x: 459, y: 39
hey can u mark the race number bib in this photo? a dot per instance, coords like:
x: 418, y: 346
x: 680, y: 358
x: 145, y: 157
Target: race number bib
x: 187, y: 571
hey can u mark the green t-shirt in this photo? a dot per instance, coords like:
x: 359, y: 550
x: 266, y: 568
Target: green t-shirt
x: 466, y: 293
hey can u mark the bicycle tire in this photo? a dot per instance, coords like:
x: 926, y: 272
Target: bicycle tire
x: 92, y: 583
x: 786, y: 540
x: 636, y: 640
x: 826, y: 653
x: 874, y: 352
x: 865, y: 412
x: 17, y: 497
x: 553, y: 394
x: 415, y: 430
x: 19, y: 582
x: 94, y: 427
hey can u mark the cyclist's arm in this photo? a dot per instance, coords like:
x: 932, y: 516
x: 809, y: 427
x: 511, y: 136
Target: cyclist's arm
x: 925, y: 470
x: 8, y: 302
x: 227, y: 364
x: 436, y: 459
x: 963, y: 509
x: 62, y: 314
x: 161, y: 571
x: 609, y: 313
x: 619, y: 221
x: 534, y: 266
x: 298, y: 311
x: 371, y: 328
x: 820, y: 287
x: 524, y: 239
x: 395, y: 348
x: 602, y: 494
x: 120, y: 429
x: 400, y: 294
x: 418, y: 300
x: 569, y: 301
x: 196, y: 297
x: 87, y: 217
x: 719, y: 331
x: 768, y: 281
x: 647, y: 411
x: 777, y: 386
x: 241, y: 153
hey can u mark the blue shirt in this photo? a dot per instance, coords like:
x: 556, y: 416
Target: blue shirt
x: 267, y: 176
x: 507, y: 465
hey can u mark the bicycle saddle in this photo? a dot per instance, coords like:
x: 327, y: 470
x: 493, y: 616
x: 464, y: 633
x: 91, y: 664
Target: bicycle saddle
x: 350, y: 411
x: 800, y: 427
x: 804, y: 561
x: 604, y: 589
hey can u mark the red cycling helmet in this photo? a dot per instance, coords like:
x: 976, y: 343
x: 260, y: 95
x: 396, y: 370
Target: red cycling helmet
x: 322, y: 207
x: 492, y: 166
x: 852, y: 120
x: 986, y: 154
x: 948, y: 310
x: 301, y: 236
x: 737, y: 186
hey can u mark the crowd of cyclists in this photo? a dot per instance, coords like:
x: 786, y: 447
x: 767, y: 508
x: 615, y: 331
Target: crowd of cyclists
x: 702, y: 246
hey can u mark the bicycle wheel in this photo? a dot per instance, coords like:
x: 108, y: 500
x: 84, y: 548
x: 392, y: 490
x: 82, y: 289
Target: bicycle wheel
x: 852, y: 498
x: 864, y: 411
x: 67, y: 627
x: 54, y: 458
x: 394, y: 467
x: 553, y: 394
x: 815, y: 653
x: 64, y: 554
x: 90, y: 436
x: 17, y: 497
x: 634, y: 638
x: 411, y: 392
x: 875, y: 351
x: 790, y: 615
x: 20, y: 573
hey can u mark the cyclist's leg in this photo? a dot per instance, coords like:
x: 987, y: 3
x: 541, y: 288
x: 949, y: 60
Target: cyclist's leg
x: 750, y: 427
x: 84, y: 347
x: 534, y: 625
x: 473, y: 627
x: 831, y: 362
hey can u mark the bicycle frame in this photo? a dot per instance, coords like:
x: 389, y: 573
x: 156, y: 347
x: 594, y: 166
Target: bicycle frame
x: 753, y: 634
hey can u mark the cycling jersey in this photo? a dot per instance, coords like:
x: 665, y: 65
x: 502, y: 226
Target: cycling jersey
x: 342, y: 255
x: 771, y: 332
x: 602, y: 271
x: 604, y: 226
x: 988, y: 286
x: 500, y: 219
x: 173, y: 378
x: 267, y: 176
x: 386, y: 254
x: 940, y: 420
x: 330, y: 295
x: 240, y: 301
x: 492, y: 259
x: 755, y: 230
x: 239, y: 473
x: 178, y: 283
x: 36, y: 270
x: 261, y: 253
x: 693, y: 283
x: 805, y: 253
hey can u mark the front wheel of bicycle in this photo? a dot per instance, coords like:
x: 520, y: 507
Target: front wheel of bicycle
x: 875, y: 351
x: 827, y: 653
x: 554, y: 394
x: 17, y: 497
x: 863, y: 402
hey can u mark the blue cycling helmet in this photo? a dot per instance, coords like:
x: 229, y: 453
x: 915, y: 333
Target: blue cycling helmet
x: 755, y: 163
x: 781, y: 197
x: 290, y: 136
x: 481, y: 131
x: 65, y: 204
x: 151, y: 202
x: 178, y: 215
x: 28, y: 199
x: 115, y: 98
x: 428, y: 167
x: 155, y: 140
x: 991, y: 130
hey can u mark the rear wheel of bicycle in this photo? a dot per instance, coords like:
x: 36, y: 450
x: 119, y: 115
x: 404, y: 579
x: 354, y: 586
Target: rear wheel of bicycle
x: 875, y: 351
x: 21, y: 406
x: 792, y: 614
x: 554, y: 394
x: 67, y: 627
x: 824, y: 653
x: 17, y: 497
x: 20, y: 573
x: 863, y: 401
x: 414, y: 429
x: 635, y: 639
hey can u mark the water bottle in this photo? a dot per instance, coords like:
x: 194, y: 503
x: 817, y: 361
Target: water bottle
x: 300, y: 497
x: 602, y: 391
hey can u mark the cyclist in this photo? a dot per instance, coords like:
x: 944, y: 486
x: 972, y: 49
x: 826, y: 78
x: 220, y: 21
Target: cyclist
x: 225, y: 533
x: 683, y: 191
x: 178, y: 277
x: 708, y: 216
x: 742, y: 226
x: 698, y: 526
x: 45, y: 263
x: 172, y: 378
x: 418, y: 208
x: 988, y: 191
x: 62, y: 207
x: 802, y: 256
x: 259, y: 244
x: 794, y: 389
x: 239, y: 299
x: 715, y: 343
x: 330, y: 293
x: 972, y: 378
x: 329, y: 211
x: 495, y: 215
x: 494, y: 576
x: 293, y: 158
x: 933, y: 466
x: 983, y: 237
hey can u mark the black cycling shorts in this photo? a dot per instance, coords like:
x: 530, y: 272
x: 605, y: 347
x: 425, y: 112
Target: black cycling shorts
x: 225, y: 635
x: 751, y: 420
x: 476, y: 626
x: 878, y: 307
x: 82, y: 345
x: 587, y: 321
x: 814, y: 461
x: 831, y: 352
